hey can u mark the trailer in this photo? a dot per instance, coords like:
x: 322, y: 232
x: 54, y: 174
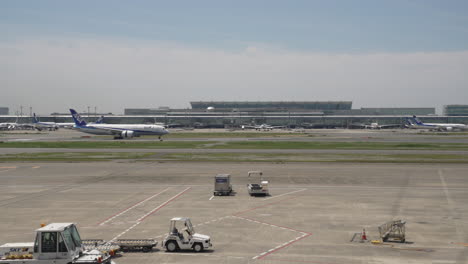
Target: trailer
x: 257, y: 185
x: 394, y: 231
x: 125, y: 245
x: 58, y: 243
x: 222, y: 185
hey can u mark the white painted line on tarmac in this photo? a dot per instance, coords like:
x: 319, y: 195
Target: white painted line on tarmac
x: 276, y: 196
x: 211, y: 198
x: 270, y: 251
x: 140, y: 220
x: 163, y: 204
x: 132, y: 207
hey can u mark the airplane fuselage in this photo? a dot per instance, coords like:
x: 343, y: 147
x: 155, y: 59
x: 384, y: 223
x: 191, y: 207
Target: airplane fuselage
x: 114, y: 129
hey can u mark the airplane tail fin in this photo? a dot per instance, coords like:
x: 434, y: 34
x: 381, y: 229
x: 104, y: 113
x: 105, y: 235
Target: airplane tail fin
x: 99, y: 120
x: 77, y: 118
x: 34, y: 119
x: 409, y: 121
x: 417, y: 121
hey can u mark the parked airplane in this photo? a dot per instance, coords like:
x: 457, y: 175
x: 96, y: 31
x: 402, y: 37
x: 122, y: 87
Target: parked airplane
x: 262, y: 127
x: 51, y: 125
x: 43, y: 125
x: 375, y: 125
x: 11, y: 125
x: 414, y: 122
x: 119, y: 131
x: 7, y: 126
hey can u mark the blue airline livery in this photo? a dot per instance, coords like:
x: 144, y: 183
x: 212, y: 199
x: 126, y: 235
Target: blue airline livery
x: 119, y: 131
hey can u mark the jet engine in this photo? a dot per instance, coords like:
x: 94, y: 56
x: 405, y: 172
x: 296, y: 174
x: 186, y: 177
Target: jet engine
x: 449, y: 128
x: 127, y: 134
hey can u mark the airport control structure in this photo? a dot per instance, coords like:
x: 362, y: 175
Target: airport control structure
x: 292, y: 114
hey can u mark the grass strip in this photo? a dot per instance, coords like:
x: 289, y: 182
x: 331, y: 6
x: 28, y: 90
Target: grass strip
x: 235, y: 157
x: 285, y: 157
x: 227, y: 134
x: 73, y: 156
x: 237, y: 145
x: 105, y: 144
x: 339, y: 145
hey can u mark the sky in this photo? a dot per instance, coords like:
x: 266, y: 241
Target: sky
x: 56, y: 55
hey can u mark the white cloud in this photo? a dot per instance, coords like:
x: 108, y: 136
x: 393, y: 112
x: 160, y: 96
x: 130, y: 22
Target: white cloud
x: 55, y: 74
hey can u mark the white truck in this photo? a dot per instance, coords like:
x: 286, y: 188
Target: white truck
x: 222, y: 185
x: 186, y: 238
x: 57, y: 243
x: 257, y: 185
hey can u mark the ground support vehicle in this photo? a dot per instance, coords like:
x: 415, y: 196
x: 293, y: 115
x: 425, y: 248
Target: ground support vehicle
x: 222, y: 185
x: 57, y: 243
x: 393, y: 231
x: 257, y: 185
x: 186, y: 239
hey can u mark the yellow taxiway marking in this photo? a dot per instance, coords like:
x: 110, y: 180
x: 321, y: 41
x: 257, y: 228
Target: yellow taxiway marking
x: 36, y: 167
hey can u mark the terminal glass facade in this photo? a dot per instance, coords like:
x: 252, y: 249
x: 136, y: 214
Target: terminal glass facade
x: 456, y: 110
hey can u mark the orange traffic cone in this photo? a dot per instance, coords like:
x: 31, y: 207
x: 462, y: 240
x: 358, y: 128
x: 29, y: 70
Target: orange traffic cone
x: 363, y: 237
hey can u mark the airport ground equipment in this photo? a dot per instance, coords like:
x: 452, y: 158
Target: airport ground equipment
x: 145, y: 245
x: 57, y: 243
x: 186, y: 238
x: 222, y: 184
x: 125, y: 245
x: 393, y: 231
x: 257, y: 185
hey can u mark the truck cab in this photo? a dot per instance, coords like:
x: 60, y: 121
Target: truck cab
x: 58, y: 243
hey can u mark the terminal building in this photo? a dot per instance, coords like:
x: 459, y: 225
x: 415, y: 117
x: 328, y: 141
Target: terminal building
x: 314, y: 114
x: 306, y: 114
x: 456, y: 110
x: 272, y: 106
x: 4, y: 111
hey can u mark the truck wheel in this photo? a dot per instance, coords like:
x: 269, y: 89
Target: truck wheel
x: 171, y: 246
x: 146, y: 249
x: 197, y: 247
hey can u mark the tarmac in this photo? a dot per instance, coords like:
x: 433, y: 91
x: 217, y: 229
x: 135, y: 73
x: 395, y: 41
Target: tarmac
x: 313, y: 211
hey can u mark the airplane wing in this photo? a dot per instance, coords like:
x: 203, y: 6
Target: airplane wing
x: 390, y: 126
x: 358, y: 125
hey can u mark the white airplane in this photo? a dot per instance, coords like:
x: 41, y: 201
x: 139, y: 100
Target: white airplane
x: 7, y: 126
x: 119, y: 131
x: 261, y: 127
x: 53, y: 125
x: 376, y: 125
x: 15, y: 125
x: 414, y: 122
